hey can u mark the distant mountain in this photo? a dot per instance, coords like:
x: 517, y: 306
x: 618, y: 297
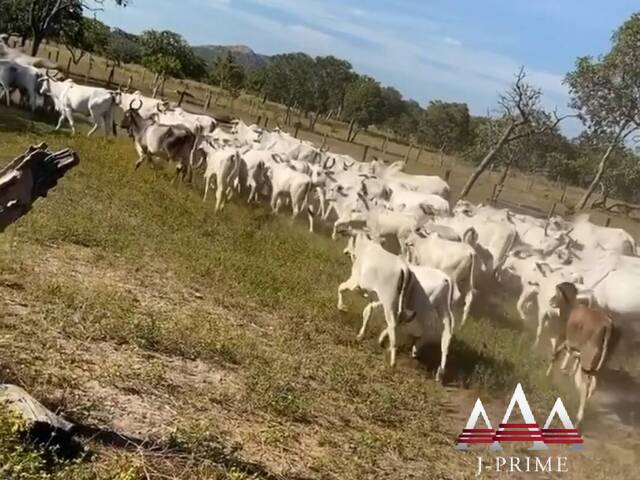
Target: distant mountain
x: 241, y: 53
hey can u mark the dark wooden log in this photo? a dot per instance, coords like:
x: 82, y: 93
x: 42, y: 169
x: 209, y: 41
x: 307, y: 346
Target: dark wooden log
x: 29, y: 177
x: 40, y: 426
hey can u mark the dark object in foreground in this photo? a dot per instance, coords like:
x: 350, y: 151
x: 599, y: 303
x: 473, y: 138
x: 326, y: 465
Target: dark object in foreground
x: 30, y: 176
x: 41, y: 426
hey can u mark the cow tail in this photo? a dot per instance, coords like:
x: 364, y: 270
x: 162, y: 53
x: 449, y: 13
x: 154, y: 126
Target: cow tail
x: 403, y: 287
x: 450, y: 294
x: 472, y: 273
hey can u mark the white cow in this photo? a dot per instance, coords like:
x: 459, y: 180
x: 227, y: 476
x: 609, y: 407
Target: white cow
x: 72, y: 99
x: 222, y: 162
x: 456, y: 259
x: 420, y: 183
x: 289, y: 185
x: 382, y: 274
x: 23, y: 78
x: 430, y: 295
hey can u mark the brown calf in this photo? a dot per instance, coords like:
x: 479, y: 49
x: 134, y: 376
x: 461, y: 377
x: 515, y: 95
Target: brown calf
x: 586, y: 336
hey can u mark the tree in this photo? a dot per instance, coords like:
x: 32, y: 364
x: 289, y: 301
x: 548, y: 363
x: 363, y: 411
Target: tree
x: 446, y: 125
x: 46, y: 17
x: 15, y: 19
x: 167, y: 53
x: 123, y: 47
x: 605, y: 92
x: 328, y: 84
x: 81, y: 35
x: 228, y: 74
x: 363, y: 105
x: 521, y: 116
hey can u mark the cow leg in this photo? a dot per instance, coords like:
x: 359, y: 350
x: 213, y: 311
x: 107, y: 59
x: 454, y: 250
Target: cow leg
x: 445, y: 341
x: 71, y: 121
x: 142, y: 155
x: 565, y: 361
x: 366, y: 316
x: 390, y: 317
x: 592, y: 386
x: 554, y: 356
x: 207, y: 181
x: 583, y: 382
x: 61, y: 120
x: 252, y: 192
x: 219, y: 198
x: 350, y: 284
x: 310, y: 217
x: 96, y: 123
x: 541, y: 321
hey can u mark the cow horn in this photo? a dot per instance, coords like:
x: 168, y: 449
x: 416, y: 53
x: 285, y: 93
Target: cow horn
x: 546, y: 229
x: 326, y: 163
x: 135, y: 109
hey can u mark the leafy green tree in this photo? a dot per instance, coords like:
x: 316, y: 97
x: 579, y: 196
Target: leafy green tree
x: 167, y: 53
x: 228, y: 74
x: 46, y: 18
x: 123, y: 47
x: 84, y: 35
x: 15, y: 18
x: 363, y: 105
x: 330, y: 78
x: 446, y: 126
x: 605, y: 92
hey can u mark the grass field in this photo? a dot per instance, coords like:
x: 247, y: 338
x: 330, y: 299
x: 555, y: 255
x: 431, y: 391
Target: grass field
x: 127, y: 305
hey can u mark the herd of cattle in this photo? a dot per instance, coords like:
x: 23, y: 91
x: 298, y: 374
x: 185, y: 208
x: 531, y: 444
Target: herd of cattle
x: 414, y: 257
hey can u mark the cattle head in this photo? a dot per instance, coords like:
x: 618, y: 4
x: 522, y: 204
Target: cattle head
x: 566, y: 295
x: 464, y: 208
x: 131, y: 116
x: 428, y: 210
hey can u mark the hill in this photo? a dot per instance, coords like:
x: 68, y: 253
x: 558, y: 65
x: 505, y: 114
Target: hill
x: 242, y: 54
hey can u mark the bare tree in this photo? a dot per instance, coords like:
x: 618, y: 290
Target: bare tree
x: 519, y: 108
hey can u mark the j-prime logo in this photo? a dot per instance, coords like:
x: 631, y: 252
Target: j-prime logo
x: 529, y: 431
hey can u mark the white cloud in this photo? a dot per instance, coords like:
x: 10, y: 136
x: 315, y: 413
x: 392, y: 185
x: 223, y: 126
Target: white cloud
x: 452, y: 41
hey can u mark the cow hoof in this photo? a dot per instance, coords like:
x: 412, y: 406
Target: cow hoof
x: 360, y: 337
x: 414, y: 352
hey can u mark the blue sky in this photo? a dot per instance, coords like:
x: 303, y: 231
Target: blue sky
x: 455, y: 50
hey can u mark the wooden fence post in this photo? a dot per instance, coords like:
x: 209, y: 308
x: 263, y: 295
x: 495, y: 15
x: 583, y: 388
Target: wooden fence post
x: 324, y: 141
x: 144, y: 71
x: 297, y: 125
x: 68, y: 69
x: 49, y: 54
x: 57, y: 56
x: 129, y: 83
x: 86, y: 77
x: 447, y: 175
x: 365, y: 153
x: 258, y: 120
x: 207, y: 102
x: 563, y: 197
x: 408, y: 152
x: 608, y: 222
x: 419, y: 154
x: 552, y: 211
x: 266, y: 122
